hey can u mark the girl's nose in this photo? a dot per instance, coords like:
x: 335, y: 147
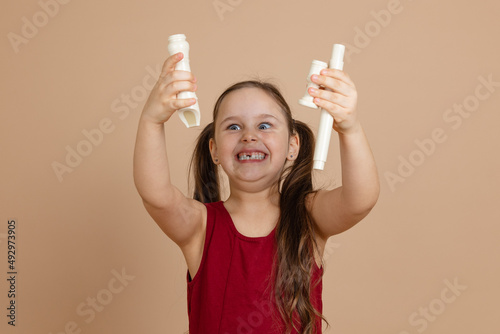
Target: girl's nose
x: 249, y: 136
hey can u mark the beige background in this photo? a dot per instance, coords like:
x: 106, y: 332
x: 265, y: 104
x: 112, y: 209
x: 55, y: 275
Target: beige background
x: 382, y: 276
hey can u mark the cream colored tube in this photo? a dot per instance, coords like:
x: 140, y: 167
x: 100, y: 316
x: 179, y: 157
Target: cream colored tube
x: 326, y: 120
x: 316, y: 67
x: 190, y: 116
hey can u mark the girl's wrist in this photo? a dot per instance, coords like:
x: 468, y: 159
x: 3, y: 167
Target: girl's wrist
x: 148, y: 121
x: 352, y: 130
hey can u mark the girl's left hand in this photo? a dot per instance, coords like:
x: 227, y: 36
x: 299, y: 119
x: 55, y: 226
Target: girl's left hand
x: 340, y: 102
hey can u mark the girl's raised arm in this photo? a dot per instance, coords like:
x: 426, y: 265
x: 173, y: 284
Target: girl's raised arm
x: 181, y: 218
x: 339, y: 209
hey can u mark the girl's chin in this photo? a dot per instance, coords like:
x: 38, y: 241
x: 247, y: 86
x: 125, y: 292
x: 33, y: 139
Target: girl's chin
x: 248, y: 174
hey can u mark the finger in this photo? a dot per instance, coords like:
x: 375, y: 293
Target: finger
x: 173, y: 76
x: 333, y: 84
x: 333, y: 109
x: 176, y: 87
x: 169, y: 64
x: 177, y: 104
x: 178, y: 75
x: 338, y: 74
x: 333, y: 97
x: 181, y: 80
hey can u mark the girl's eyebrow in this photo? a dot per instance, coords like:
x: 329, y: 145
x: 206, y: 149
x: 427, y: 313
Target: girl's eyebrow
x: 231, y: 118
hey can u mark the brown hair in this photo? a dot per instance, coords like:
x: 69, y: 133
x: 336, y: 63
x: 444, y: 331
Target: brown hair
x: 295, y: 239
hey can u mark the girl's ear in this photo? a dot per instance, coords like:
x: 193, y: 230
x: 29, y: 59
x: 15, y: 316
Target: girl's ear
x: 213, y: 151
x: 293, y: 147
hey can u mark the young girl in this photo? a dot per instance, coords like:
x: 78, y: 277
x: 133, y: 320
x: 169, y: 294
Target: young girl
x: 255, y: 260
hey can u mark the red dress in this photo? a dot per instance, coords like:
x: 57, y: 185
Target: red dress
x: 228, y: 293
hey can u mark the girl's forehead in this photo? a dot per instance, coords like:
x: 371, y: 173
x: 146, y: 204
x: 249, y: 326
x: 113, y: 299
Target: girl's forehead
x: 248, y: 102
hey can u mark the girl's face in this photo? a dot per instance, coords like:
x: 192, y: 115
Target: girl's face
x: 252, y: 142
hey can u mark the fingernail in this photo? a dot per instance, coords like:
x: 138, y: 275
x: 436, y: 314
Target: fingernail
x: 312, y: 90
x: 314, y: 77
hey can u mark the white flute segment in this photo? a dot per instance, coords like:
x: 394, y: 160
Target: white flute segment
x: 190, y: 116
x: 326, y: 120
x: 316, y: 67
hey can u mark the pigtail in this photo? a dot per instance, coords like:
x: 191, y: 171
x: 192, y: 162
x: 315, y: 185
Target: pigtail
x: 205, y: 174
x: 296, y: 240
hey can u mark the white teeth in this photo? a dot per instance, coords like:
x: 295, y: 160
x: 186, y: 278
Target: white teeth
x: 251, y: 156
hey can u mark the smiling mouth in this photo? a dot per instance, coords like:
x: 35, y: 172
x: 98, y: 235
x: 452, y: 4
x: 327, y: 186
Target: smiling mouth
x: 251, y: 156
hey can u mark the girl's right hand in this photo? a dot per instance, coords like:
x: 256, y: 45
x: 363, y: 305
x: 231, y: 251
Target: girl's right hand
x: 162, y: 101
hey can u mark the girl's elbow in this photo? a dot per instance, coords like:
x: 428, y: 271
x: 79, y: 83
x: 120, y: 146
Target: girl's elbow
x: 363, y: 210
x: 374, y: 196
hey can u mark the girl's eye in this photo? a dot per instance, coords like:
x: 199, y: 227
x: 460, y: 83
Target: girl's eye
x: 264, y: 126
x: 233, y: 127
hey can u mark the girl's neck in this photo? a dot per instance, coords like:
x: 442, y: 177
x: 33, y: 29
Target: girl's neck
x: 240, y: 201
x: 253, y: 214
